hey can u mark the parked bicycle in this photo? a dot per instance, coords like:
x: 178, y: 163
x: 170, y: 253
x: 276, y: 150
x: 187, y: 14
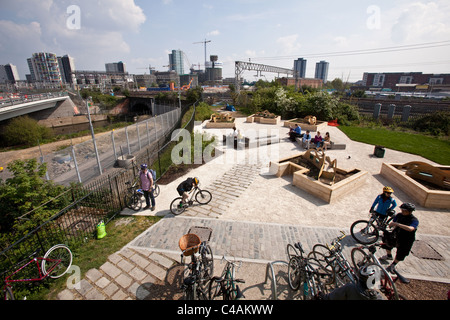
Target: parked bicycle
x: 200, y: 269
x: 201, y: 196
x: 333, y: 261
x: 368, y: 231
x: 365, y: 256
x: 305, y: 271
x: 133, y: 196
x: 55, y: 263
x: 226, y: 286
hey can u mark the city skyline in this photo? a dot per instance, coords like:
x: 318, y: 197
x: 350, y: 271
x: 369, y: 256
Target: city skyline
x: 355, y: 37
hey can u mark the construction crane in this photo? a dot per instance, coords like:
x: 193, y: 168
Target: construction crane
x: 204, y: 42
x: 149, y: 68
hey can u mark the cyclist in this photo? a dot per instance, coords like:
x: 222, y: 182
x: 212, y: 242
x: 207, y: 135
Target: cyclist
x: 405, y: 226
x: 361, y: 290
x: 384, y: 204
x: 147, y: 186
x: 186, y: 186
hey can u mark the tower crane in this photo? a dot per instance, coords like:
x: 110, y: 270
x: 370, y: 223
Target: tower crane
x: 204, y: 42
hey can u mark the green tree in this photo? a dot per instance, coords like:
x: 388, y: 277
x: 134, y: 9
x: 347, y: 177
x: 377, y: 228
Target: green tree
x: 25, y: 131
x: 26, y: 191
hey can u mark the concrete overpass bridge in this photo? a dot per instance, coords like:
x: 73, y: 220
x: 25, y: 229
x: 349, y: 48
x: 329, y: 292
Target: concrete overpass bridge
x: 15, y: 107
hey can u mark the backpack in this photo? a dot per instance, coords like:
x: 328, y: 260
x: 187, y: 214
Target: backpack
x: 153, y: 172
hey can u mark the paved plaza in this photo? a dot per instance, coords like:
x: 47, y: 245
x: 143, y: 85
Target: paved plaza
x: 254, y: 215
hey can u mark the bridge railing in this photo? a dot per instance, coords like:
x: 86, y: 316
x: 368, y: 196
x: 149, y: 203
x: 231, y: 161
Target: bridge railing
x: 24, y: 98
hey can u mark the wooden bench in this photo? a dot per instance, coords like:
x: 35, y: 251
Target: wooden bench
x: 257, y: 142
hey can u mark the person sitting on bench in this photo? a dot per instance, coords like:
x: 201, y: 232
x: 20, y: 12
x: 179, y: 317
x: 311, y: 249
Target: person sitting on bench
x: 295, y: 133
x: 306, y: 139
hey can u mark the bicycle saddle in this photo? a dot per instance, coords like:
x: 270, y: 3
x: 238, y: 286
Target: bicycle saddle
x: 189, y: 281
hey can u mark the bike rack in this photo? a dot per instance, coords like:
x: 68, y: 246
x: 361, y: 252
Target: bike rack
x: 274, y: 284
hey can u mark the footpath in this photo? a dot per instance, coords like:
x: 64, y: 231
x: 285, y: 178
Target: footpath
x: 253, y: 217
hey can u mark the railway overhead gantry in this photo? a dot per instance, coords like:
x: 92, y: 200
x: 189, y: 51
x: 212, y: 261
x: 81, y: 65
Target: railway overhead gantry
x: 241, y: 66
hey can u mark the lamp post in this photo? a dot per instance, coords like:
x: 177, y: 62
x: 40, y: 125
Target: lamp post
x: 93, y: 135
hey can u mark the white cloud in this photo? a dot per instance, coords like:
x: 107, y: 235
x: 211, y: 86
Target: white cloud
x: 213, y: 33
x: 288, y: 45
x: 422, y: 22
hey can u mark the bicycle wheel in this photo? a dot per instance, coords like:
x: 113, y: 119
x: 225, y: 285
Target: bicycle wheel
x: 295, y: 273
x: 156, y: 191
x: 206, y: 263
x: 177, y: 207
x: 363, y: 232
x: 319, y: 253
x: 359, y: 258
x: 8, y: 294
x: 57, y: 261
x: 214, y: 288
x: 133, y: 201
x: 382, y: 282
x: 291, y: 251
x: 325, y: 274
x: 203, y: 196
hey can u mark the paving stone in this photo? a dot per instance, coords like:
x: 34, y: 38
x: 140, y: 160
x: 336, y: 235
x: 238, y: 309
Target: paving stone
x: 123, y: 280
x: 93, y: 275
x: 66, y: 294
x: 110, y: 269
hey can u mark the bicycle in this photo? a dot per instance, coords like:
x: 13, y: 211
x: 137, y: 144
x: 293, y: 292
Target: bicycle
x: 305, y: 270
x: 55, y: 263
x: 200, y: 268
x: 368, y: 231
x: 333, y: 262
x: 365, y: 256
x: 177, y: 206
x: 226, y: 286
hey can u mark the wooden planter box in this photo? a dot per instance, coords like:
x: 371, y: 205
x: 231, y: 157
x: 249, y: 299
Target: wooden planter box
x: 424, y: 196
x: 263, y: 120
x: 328, y: 193
x: 219, y: 125
x: 319, y: 126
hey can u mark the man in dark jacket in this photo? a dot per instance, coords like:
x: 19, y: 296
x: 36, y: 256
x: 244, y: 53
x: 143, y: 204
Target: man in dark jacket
x: 405, y: 226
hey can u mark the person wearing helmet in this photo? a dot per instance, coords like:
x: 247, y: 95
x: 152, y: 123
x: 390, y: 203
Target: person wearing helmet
x: 405, y: 226
x: 186, y: 186
x: 147, y: 186
x: 361, y: 290
x: 384, y: 203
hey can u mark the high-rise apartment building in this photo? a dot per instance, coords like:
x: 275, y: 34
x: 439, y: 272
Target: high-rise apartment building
x: 44, y: 67
x: 8, y: 73
x: 116, y: 67
x: 322, y: 71
x: 300, y: 67
x: 67, y: 68
x: 176, y: 61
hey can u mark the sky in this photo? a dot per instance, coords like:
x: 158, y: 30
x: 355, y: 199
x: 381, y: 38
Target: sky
x: 353, y: 36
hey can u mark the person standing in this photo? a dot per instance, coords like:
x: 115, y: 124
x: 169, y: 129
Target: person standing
x: 383, y: 203
x: 405, y: 226
x: 147, y: 186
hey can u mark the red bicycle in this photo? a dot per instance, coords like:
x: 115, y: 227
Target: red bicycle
x: 55, y: 263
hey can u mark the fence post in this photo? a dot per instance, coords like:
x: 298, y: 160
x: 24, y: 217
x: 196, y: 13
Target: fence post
x: 76, y: 164
x: 139, y: 137
x: 391, y: 111
x: 406, y: 112
x: 377, y: 110
x: 148, y: 134
x: 128, y: 141
x: 113, y: 144
x: 156, y: 134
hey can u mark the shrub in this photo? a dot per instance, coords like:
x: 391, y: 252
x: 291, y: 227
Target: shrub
x: 436, y: 123
x: 25, y: 131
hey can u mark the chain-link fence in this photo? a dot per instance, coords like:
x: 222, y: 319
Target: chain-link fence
x: 92, y: 158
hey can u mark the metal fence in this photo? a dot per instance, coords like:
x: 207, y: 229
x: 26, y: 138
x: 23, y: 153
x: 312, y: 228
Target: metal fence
x: 101, y: 198
x: 95, y: 157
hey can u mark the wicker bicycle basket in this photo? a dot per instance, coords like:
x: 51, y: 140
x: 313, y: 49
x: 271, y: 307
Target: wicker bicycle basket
x: 189, y: 244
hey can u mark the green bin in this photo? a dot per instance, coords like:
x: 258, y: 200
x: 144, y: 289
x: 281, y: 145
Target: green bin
x: 379, y: 151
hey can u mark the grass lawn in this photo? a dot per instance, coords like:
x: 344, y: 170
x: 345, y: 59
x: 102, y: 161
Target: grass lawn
x: 431, y: 148
x: 94, y: 253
